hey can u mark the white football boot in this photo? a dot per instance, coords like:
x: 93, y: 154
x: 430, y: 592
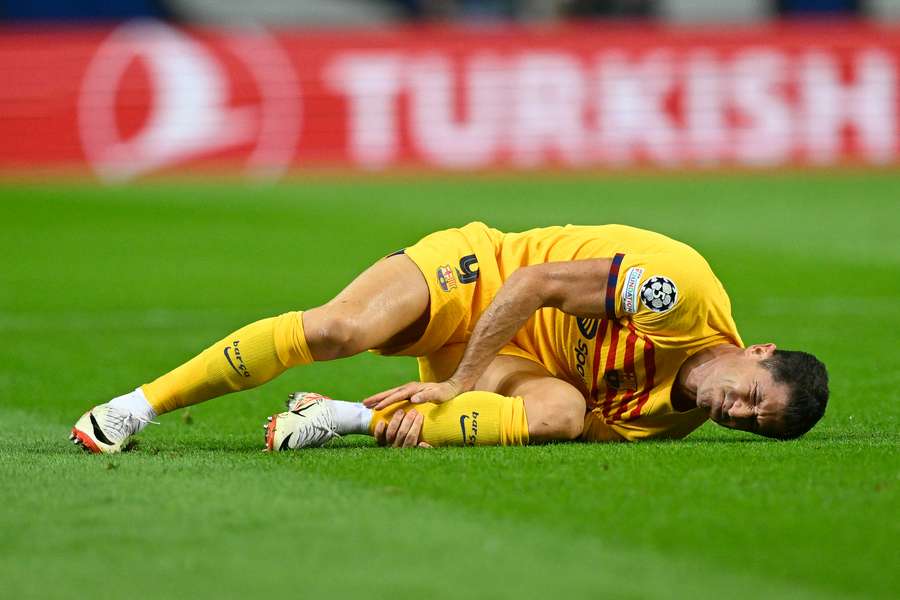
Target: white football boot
x: 105, y: 429
x: 309, y: 422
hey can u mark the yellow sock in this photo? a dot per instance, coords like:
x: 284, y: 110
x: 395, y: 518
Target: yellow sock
x: 470, y: 419
x: 249, y: 357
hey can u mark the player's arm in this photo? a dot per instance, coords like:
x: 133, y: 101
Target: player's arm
x: 574, y: 287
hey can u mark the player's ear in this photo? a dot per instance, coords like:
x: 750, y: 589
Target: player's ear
x: 761, y: 351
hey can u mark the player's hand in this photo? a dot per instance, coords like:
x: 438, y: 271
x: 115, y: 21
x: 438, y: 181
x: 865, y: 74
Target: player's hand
x: 415, y: 392
x: 403, y: 431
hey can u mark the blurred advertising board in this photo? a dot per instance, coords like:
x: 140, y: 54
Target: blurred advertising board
x: 144, y: 98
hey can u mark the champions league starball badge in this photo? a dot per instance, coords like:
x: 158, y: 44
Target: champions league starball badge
x: 659, y: 293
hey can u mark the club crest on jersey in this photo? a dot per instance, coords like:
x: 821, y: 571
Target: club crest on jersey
x: 620, y: 380
x: 445, y: 277
x: 630, y: 290
x: 659, y: 293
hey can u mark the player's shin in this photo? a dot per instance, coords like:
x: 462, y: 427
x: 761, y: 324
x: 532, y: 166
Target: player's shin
x: 242, y: 360
x: 470, y: 419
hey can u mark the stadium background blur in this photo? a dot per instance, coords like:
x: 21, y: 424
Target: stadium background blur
x: 170, y: 170
x: 346, y: 12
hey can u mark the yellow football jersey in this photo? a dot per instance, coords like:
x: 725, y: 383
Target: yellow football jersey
x: 663, y: 303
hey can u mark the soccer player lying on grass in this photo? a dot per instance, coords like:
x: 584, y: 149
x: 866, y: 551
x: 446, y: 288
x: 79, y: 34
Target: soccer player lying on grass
x: 597, y: 333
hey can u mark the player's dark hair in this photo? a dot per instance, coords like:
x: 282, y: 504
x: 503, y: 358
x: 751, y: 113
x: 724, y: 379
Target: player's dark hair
x: 807, y: 380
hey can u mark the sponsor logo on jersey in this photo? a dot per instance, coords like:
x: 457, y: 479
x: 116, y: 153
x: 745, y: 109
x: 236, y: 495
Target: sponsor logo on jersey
x: 659, y: 293
x: 620, y: 380
x: 232, y: 354
x: 472, y: 437
x: 445, y: 277
x: 588, y: 328
x: 581, y: 354
x: 630, y: 290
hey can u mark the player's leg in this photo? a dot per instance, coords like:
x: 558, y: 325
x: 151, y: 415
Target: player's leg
x: 516, y: 402
x: 385, y: 305
x: 554, y: 408
x: 385, y: 302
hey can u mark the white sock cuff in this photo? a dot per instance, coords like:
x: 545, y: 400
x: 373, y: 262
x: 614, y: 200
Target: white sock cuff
x: 136, y: 403
x: 351, y: 417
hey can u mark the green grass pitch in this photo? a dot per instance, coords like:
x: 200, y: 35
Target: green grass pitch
x: 102, y: 289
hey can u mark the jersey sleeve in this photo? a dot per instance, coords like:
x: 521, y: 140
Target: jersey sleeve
x: 673, y: 296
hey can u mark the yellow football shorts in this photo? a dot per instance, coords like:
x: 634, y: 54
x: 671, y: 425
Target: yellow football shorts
x: 461, y: 269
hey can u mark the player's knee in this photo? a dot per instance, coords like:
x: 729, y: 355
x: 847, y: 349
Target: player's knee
x: 557, y: 417
x: 568, y: 406
x: 336, y: 337
x: 569, y: 425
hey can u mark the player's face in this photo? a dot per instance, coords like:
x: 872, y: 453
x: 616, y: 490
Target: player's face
x: 739, y: 392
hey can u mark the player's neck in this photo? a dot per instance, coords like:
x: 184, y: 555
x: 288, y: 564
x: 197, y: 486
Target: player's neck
x: 693, y: 371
